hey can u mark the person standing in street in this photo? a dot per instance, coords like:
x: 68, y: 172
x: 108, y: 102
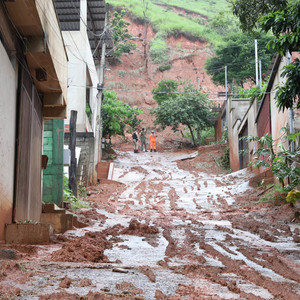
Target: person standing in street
x: 152, y: 138
x: 143, y: 140
x: 135, y: 141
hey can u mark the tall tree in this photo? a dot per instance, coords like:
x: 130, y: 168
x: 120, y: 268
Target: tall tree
x: 167, y: 89
x: 282, y: 18
x: 116, y: 114
x: 285, y: 26
x: 250, y: 11
x: 121, y: 35
x: 238, y: 54
x: 189, y: 108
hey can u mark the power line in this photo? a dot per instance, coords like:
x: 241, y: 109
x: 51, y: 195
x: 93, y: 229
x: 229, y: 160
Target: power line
x: 145, y: 91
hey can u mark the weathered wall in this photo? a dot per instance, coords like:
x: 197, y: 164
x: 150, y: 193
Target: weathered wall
x: 233, y: 143
x: 237, y: 109
x: 55, y: 43
x: 85, y: 163
x: 54, y: 148
x: 250, y: 120
x: 278, y: 119
x: 8, y: 83
x: 82, y: 72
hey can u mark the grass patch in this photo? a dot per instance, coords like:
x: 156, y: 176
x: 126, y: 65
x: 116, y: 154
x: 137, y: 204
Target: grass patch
x: 171, y: 23
x: 122, y: 73
x: 274, y: 194
x: 75, y: 202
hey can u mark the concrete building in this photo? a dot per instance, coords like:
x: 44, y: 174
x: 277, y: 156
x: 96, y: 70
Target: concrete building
x: 257, y: 119
x: 33, y: 84
x: 84, y: 30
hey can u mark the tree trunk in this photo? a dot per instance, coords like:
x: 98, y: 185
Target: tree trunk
x: 192, y: 134
x: 198, y: 134
x: 145, y: 10
x: 145, y: 46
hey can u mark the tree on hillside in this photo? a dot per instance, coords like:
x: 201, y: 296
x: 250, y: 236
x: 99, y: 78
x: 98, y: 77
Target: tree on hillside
x: 147, y: 22
x: 189, y: 108
x: 239, y: 55
x: 165, y: 90
x: 116, y: 115
x: 121, y: 35
x: 249, y: 11
x: 283, y: 20
x: 285, y: 25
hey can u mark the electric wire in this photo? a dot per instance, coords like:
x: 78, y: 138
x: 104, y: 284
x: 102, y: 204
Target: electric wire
x: 61, y: 37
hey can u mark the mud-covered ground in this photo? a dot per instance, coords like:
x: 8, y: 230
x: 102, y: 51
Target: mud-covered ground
x: 167, y: 227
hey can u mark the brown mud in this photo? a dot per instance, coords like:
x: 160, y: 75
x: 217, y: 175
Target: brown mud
x: 165, y: 229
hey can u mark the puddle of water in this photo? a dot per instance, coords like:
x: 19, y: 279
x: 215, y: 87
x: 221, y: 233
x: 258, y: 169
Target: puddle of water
x: 139, y: 253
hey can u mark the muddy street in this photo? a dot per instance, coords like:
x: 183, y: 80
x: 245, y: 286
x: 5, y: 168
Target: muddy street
x: 167, y: 227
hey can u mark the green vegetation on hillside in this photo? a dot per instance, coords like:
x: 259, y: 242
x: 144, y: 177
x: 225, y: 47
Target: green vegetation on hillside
x: 168, y: 22
x: 205, y: 8
x: 186, y: 106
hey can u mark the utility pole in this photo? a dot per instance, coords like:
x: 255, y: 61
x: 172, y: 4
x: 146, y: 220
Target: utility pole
x: 226, y: 98
x: 256, y: 63
x: 291, y: 112
x: 98, y: 133
x: 260, y: 74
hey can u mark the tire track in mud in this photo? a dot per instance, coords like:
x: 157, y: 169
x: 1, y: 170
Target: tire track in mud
x: 174, y: 233
x: 184, y: 249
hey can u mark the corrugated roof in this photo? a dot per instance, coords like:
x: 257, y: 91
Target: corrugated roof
x: 68, y: 12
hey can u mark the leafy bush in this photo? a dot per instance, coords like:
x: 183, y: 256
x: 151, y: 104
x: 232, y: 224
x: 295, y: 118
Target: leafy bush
x: 122, y: 73
x: 121, y: 36
x: 293, y: 196
x: 224, y: 161
x: 275, y: 194
x: 252, y: 93
x: 69, y: 197
x: 164, y: 68
x: 282, y: 163
x: 116, y: 115
x: 158, y: 50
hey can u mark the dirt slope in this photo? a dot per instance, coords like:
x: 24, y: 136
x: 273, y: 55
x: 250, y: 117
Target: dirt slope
x: 133, y: 82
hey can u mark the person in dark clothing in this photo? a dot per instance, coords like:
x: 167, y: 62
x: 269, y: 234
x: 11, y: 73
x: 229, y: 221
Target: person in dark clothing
x: 135, y: 141
x: 143, y: 140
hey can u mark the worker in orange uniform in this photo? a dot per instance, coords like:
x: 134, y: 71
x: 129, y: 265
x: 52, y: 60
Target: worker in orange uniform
x: 152, y: 138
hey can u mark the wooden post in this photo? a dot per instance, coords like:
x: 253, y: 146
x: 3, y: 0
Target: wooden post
x: 72, y: 146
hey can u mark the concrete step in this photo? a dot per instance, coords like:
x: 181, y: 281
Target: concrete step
x: 52, y: 208
x: 30, y: 234
x: 61, y: 222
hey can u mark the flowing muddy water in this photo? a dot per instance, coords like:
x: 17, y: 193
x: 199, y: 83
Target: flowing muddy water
x: 166, y: 233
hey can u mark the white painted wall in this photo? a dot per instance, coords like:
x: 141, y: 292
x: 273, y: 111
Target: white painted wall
x: 8, y: 103
x: 80, y: 62
x: 50, y: 25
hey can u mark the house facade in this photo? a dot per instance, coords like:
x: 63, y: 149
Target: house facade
x: 258, y: 118
x: 84, y: 30
x: 33, y: 83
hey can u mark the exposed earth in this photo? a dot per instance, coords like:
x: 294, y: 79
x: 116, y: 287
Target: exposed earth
x: 135, y: 75
x: 170, y: 225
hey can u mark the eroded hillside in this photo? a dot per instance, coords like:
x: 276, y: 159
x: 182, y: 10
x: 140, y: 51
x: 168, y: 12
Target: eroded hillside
x: 134, y: 77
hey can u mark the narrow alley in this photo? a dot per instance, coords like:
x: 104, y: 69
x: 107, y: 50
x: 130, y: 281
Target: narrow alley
x: 164, y: 230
